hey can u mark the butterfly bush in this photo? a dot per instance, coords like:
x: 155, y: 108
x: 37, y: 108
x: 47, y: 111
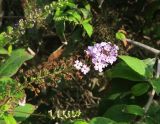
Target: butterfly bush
x: 85, y: 69
x: 78, y: 65
x: 82, y: 67
x: 101, y: 54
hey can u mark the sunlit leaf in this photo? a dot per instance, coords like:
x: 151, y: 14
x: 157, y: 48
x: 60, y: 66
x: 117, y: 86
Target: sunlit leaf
x: 135, y: 64
x: 21, y: 113
x: 156, y: 85
x: 12, y: 64
x: 88, y: 28
x: 122, y: 70
x: 3, y: 51
x: 80, y: 122
x: 102, y: 120
x: 120, y: 36
x: 9, y: 119
x: 10, y: 49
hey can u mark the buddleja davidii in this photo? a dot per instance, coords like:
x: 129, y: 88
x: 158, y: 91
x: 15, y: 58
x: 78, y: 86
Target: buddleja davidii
x: 64, y: 114
x: 48, y: 74
x: 101, y: 55
x: 68, y: 11
x: 9, y: 95
x: 34, y: 18
x: 15, y: 35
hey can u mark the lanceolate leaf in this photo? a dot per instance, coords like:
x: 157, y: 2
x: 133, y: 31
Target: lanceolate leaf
x: 10, y: 49
x: 116, y: 113
x: 149, y: 69
x: 75, y: 14
x: 21, y: 113
x: 13, y: 63
x: 135, y: 64
x: 88, y: 28
x: 3, y: 39
x: 80, y: 122
x: 140, y: 89
x: 9, y: 119
x: 156, y: 85
x: 102, y: 120
x: 3, y: 51
x: 85, y: 12
x: 122, y: 70
x: 60, y: 28
x: 134, y: 109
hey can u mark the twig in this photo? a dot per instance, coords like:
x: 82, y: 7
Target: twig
x: 100, y: 3
x: 149, y: 102
x: 31, y: 51
x: 157, y: 53
x: 153, y: 50
x: 147, y: 106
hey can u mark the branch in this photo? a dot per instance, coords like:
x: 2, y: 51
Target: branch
x: 100, y: 3
x: 147, y: 106
x: 153, y: 50
x: 156, y: 53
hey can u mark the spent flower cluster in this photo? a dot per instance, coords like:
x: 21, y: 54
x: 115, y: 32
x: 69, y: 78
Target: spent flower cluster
x: 101, y: 54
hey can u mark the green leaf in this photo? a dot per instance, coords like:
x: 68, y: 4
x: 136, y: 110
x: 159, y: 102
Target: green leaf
x: 10, y: 49
x: 140, y: 89
x: 9, y: 119
x: 3, y: 51
x: 2, y: 120
x: 153, y: 113
x: 116, y: 113
x: 76, y: 36
x: 88, y: 28
x: 120, y: 36
x: 134, y: 109
x: 58, y: 13
x: 102, y: 120
x: 135, y: 64
x: 150, y: 120
x: 60, y: 27
x: 150, y: 62
x: 156, y: 85
x: 72, y: 19
x: 9, y: 30
x: 3, y: 40
x: 13, y: 63
x: 122, y: 70
x: 71, y: 4
x: 149, y: 69
x: 74, y: 14
x: 85, y: 13
x: 80, y: 122
x: 6, y: 80
x: 88, y: 7
x: 21, y: 113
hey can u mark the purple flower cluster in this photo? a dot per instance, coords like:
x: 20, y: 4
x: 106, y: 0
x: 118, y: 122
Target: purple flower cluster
x: 102, y: 54
x: 82, y: 67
